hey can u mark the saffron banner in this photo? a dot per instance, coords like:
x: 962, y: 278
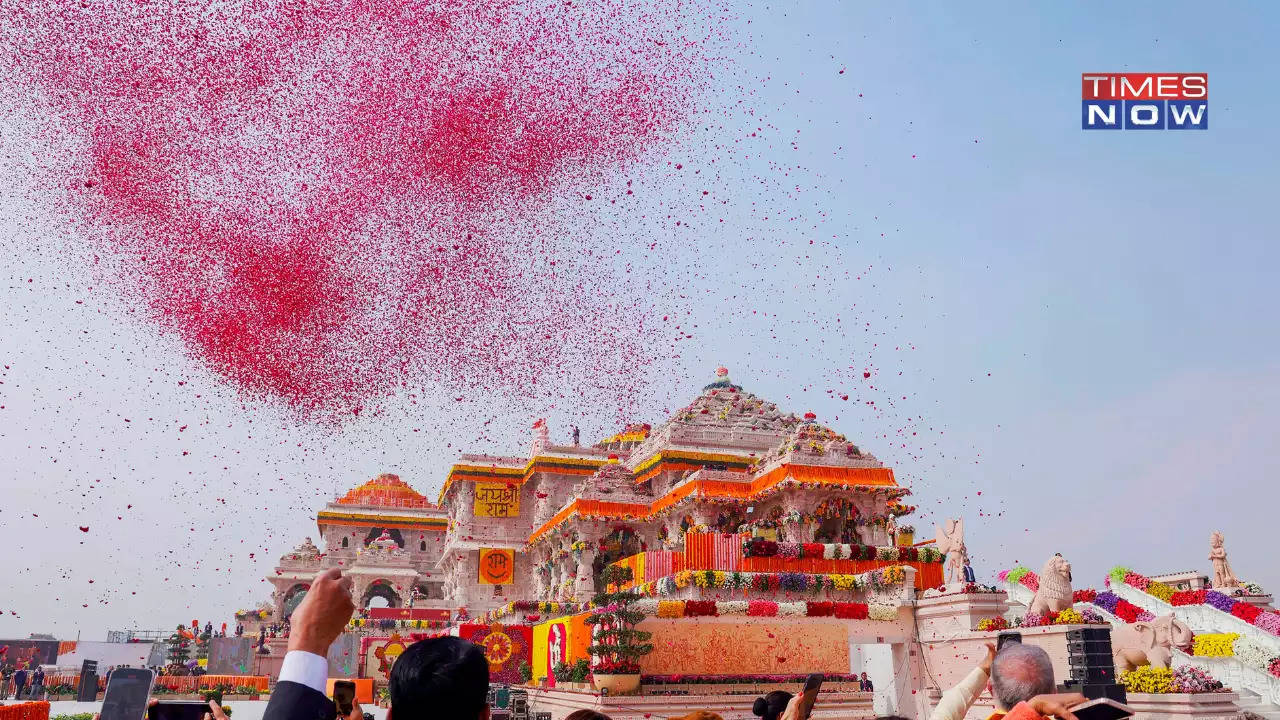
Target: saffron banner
x: 497, y: 566
x: 496, y: 499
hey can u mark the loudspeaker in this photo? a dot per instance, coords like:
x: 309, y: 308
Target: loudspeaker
x: 1093, y: 671
x: 88, y: 690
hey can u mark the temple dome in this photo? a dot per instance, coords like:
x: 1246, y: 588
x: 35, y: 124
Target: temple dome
x: 385, y: 490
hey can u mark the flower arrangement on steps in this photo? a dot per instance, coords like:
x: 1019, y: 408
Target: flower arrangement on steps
x: 1265, y: 620
x: 1069, y: 616
x: 1249, y: 652
x: 617, y: 643
x: 1108, y: 601
x: 1161, y: 680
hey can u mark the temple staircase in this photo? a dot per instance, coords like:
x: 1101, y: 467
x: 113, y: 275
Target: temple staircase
x: 1200, y: 618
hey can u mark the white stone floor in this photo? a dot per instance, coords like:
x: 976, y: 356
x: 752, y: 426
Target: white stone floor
x: 240, y: 709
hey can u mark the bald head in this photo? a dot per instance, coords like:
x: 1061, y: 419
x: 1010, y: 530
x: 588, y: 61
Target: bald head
x: 1019, y: 673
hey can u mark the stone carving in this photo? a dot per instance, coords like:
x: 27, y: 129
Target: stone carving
x: 1149, y: 643
x: 951, y: 543
x: 307, y: 549
x: 1054, y: 594
x: 1222, y: 575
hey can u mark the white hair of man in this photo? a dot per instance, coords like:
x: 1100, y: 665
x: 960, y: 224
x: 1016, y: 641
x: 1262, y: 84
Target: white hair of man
x: 1019, y: 673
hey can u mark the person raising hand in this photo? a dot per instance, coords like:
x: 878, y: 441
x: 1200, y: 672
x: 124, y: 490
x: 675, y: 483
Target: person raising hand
x: 317, y: 622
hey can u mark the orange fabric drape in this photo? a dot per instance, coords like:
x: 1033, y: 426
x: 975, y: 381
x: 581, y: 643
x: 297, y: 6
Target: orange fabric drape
x: 25, y: 711
x: 825, y: 476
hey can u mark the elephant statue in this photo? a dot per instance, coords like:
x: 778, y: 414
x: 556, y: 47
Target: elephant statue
x: 1149, y: 643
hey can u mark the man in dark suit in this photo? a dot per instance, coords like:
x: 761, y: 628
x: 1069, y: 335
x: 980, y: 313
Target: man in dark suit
x: 317, y: 622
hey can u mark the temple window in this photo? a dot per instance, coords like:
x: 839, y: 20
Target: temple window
x: 344, y: 542
x: 422, y: 546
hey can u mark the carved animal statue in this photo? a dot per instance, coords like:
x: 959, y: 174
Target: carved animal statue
x: 1149, y: 643
x: 1054, y: 594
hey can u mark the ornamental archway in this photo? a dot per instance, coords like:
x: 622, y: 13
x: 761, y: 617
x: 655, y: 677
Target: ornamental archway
x: 375, y: 533
x: 838, y: 519
x: 380, y: 594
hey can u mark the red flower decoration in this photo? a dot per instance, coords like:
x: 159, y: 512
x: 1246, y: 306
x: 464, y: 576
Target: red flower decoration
x: 1246, y: 612
x: 820, y: 609
x: 851, y: 611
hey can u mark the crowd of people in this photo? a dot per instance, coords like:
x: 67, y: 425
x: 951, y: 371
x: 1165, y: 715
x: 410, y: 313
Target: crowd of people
x: 447, y: 678
x: 22, y: 683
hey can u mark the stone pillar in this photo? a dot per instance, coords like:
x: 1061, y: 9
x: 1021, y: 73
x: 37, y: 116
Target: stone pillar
x: 585, y: 582
x: 903, y: 699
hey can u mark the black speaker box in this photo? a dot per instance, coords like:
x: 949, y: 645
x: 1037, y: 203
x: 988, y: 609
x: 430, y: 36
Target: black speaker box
x: 1093, y: 691
x: 1095, y: 634
x: 1089, y: 647
x: 1091, y: 674
x: 1091, y: 660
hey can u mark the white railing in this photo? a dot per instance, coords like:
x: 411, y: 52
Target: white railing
x: 1019, y: 593
x: 1200, y: 618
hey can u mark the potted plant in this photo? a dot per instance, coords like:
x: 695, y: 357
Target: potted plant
x: 616, y: 641
x: 561, y: 672
x: 383, y: 697
x: 579, y: 673
x: 526, y: 672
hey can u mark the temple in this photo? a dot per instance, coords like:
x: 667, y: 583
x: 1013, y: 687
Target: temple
x: 543, y: 527
x: 755, y: 546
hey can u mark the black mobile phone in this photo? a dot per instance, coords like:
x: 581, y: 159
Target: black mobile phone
x: 127, y: 693
x: 1007, y: 637
x: 1101, y: 709
x: 813, y: 682
x: 178, y: 710
x: 344, y: 696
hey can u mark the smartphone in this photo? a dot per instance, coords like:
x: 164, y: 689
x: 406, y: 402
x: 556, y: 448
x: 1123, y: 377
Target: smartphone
x: 178, y: 710
x: 808, y: 696
x: 127, y: 693
x: 1101, y: 709
x: 344, y: 696
x: 1006, y: 638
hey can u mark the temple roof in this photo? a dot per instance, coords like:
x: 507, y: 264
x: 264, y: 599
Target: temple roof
x: 385, y: 490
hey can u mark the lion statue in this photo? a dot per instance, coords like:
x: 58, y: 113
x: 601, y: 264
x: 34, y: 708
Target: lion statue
x: 1054, y: 594
x: 1149, y: 643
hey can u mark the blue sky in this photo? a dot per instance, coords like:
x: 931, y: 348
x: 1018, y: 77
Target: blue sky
x: 1079, y: 326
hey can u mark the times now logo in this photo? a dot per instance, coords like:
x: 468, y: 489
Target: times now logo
x: 1144, y: 101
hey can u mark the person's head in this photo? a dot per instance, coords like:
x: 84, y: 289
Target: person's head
x: 445, y: 678
x: 586, y: 715
x: 1019, y: 673
x: 771, y: 706
x: 864, y: 676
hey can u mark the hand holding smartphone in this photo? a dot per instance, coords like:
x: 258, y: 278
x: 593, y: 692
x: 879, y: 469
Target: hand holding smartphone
x: 344, y: 697
x: 128, y: 691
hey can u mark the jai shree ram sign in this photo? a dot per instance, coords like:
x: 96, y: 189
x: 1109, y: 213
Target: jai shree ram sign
x: 497, y: 499
x: 497, y: 567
